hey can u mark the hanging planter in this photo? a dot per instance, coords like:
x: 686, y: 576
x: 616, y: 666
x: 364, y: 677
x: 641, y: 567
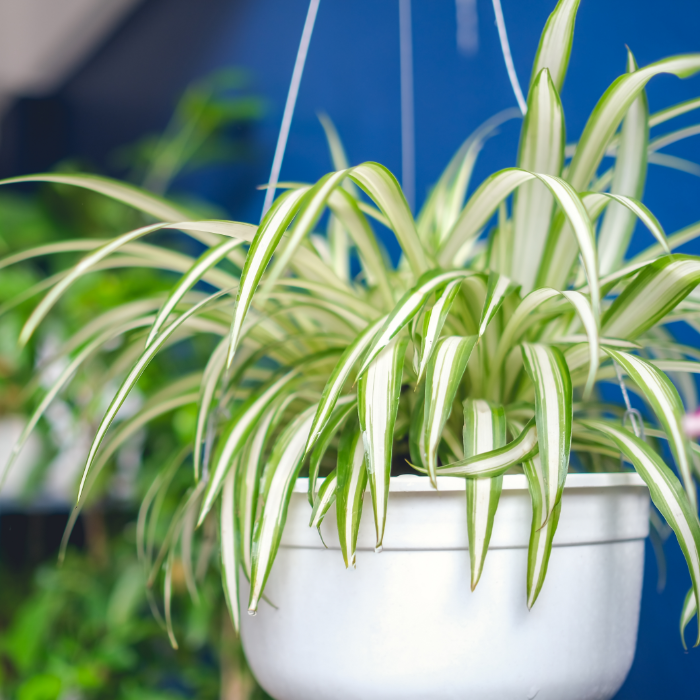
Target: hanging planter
x: 406, y: 626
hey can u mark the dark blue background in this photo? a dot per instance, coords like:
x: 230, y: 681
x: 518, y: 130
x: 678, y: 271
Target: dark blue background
x: 352, y: 73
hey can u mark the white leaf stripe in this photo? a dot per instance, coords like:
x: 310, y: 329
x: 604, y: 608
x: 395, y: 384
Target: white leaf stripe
x: 668, y: 407
x: 690, y: 610
x: 541, y: 151
x: 324, y: 499
x: 434, y: 322
x: 666, y: 493
x: 336, y: 381
x: 285, y: 462
x: 240, y: 428
x: 484, y: 431
x: 555, y: 43
x: 610, y: 110
x: 499, y: 287
x: 264, y: 244
x: 656, y: 290
x: 554, y: 412
x: 206, y: 261
x: 344, y: 407
x: 407, y: 307
x: 381, y: 186
x: 131, y: 379
x: 229, y: 560
x: 444, y: 376
x: 628, y: 179
x: 378, y: 394
x: 352, y: 481
x: 495, y: 462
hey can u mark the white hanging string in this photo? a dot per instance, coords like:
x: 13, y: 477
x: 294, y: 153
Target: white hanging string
x: 291, y: 102
x: 408, y: 148
x: 505, y: 47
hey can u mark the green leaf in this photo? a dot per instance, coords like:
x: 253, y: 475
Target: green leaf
x: 350, y: 491
x: 335, y: 383
x: 284, y: 465
x: 204, y: 263
x: 611, y: 109
x: 542, y: 143
x: 229, y: 549
x: 128, y: 384
x: 542, y: 529
x: 549, y: 374
x: 250, y: 463
x: 236, y: 434
x: 310, y: 209
x: 324, y: 500
x: 378, y: 395
x: 493, y: 190
x: 128, y: 194
x: 434, y: 322
x: 499, y: 287
x: 495, y: 462
x: 555, y: 43
x: 266, y: 240
x: 656, y: 290
x: 663, y: 397
x: 666, y: 493
x: 407, y: 307
x: 630, y: 174
x: 343, y: 408
x: 690, y: 610
x: 484, y: 431
x: 381, y: 186
x: 445, y: 372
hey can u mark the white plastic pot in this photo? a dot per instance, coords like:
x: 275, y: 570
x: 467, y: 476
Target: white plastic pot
x: 404, y: 625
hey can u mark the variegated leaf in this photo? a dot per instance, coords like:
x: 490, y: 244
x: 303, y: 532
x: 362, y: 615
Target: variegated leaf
x: 663, y: 397
x: 555, y: 43
x: 229, y: 548
x: 343, y: 408
x: 434, y: 322
x: 236, y: 435
x: 337, y: 379
x: 549, y: 374
x: 445, y: 372
x: 324, y: 500
x: 541, y: 151
x: 666, y: 493
x: 352, y: 481
x: 283, y: 468
x: 629, y: 177
x: 542, y: 529
x: 378, y: 395
x: 407, y: 307
x: 499, y: 287
x: 690, y: 610
x: 495, y: 462
x: 484, y: 431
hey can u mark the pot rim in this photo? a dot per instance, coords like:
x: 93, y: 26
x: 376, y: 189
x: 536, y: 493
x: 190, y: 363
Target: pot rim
x: 415, y: 483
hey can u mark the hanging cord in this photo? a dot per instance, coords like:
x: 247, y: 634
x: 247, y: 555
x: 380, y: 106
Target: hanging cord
x: 505, y: 47
x: 635, y: 417
x: 291, y: 102
x: 408, y: 149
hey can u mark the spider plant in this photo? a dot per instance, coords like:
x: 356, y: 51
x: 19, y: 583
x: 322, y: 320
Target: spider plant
x: 480, y: 353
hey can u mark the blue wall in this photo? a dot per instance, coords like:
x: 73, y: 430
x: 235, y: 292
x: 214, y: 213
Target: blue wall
x: 352, y: 73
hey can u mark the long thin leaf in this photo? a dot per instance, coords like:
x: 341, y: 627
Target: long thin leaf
x: 666, y: 493
x: 229, y: 549
x: 484, y: 431
x: 445, y: 372
x: 378, y: 395
x: 352, y: 481
x: 549, y: 374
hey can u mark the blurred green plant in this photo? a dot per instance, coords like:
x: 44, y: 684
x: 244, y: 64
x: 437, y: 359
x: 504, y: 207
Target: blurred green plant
x: 91, y: 628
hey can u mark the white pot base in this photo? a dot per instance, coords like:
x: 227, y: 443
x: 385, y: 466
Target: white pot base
x: 404, y: 625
